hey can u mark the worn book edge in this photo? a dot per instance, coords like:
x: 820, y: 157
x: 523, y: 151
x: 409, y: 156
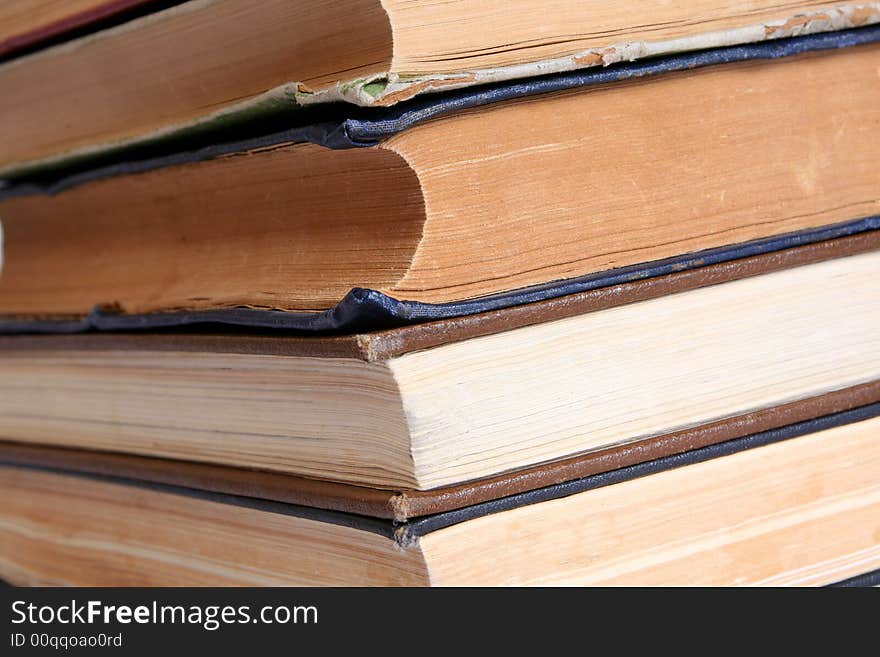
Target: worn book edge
x: 389, y: 88
x: 364, y: 310
x: 407, y: 505
x: 393, y: 515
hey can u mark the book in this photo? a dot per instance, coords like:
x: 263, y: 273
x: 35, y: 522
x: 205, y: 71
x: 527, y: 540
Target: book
x: 449, y: 209
x: 375, y: 292
x: 198, y: 65
x: 458, y: 403
x: 26, y: 25
x: 403, y: 505
x: 796, y: 506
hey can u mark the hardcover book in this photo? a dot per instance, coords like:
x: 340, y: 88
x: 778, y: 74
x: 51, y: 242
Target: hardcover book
x: 200, y: 64
x: 607, y: 176
x: 374, y: 292
x: 26, y: 25
x: 443, y: 403
x: 796, y: 506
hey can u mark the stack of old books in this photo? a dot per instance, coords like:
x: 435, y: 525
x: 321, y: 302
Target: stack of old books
x: 496, y: 292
